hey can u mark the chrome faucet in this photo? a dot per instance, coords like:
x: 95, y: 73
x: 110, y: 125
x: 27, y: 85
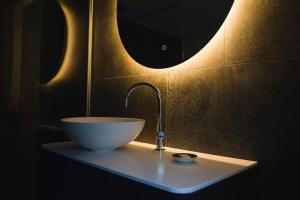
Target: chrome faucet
x: 160, y: 134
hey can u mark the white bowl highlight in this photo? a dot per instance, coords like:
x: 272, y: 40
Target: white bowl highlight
x: 102, y: 133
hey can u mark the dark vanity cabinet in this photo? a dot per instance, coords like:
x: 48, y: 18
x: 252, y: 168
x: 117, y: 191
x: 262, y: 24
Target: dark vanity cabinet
x: 62, y: 179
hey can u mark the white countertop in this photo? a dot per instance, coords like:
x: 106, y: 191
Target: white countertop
x: 140, y: 162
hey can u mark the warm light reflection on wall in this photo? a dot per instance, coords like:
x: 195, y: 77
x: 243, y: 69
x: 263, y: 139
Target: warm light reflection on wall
x: 66, y: 71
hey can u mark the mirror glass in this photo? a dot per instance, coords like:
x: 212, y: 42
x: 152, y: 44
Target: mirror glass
x: 53, y: 40
x: 164, y: 33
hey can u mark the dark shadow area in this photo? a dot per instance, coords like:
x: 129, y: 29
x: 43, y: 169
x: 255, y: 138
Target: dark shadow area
x: 32, y: 47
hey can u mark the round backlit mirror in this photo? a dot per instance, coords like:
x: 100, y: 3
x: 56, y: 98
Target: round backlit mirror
x: 164, y: 33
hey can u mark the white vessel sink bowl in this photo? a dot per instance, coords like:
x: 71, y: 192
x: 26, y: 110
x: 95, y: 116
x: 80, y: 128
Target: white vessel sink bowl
x: 102, y: 133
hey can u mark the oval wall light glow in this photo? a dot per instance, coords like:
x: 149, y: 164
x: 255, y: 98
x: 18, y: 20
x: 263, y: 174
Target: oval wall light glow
x: 74, y: 64
x: 66, y: 70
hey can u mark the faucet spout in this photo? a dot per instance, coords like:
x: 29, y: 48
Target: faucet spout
x: 160, y: 133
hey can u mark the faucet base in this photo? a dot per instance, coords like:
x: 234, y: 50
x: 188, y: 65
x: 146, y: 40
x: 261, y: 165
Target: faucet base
x: 159, y: 142
x: 160, y: 149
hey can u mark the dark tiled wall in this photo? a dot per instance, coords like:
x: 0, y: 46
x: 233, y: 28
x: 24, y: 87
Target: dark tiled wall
x: 238, y: 97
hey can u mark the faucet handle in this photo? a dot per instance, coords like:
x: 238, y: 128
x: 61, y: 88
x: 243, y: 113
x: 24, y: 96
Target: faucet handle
x: 159, y: 141
x: 161, y: 134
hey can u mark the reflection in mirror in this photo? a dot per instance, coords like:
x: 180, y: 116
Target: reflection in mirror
x: 165, y: 33
x: 53, y: 40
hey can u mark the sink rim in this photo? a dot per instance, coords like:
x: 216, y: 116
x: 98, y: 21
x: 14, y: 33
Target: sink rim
x: 102, y: 133
x: 100, y: 120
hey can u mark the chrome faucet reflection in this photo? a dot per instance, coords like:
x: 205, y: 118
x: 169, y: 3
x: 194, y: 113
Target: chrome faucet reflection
x: 160, y: 134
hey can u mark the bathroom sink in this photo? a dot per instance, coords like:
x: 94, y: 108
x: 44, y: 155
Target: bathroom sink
x: 102, y: 133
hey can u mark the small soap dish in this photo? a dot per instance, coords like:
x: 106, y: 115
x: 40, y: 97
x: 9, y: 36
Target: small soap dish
x: 184, y: 157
